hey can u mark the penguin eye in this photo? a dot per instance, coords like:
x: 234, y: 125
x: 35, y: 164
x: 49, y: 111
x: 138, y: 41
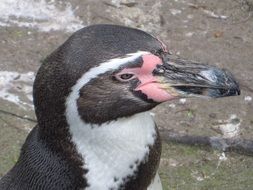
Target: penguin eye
x: 125, y: 77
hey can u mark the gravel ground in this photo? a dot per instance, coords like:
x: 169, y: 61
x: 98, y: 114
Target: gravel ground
x: 214, y: 32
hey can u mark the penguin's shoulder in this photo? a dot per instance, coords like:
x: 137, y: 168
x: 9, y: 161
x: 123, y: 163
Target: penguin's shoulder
x: 38, y: 167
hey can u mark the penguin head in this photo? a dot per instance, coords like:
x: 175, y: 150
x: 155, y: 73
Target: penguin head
x: 104, y: 72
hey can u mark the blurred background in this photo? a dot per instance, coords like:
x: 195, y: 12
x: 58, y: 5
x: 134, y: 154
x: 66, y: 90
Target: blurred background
x: 214, y: 32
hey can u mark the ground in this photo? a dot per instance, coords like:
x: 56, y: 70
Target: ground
x: 214, y: 32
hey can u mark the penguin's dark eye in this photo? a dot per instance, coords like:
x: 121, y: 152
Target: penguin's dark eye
x: 125, y: 77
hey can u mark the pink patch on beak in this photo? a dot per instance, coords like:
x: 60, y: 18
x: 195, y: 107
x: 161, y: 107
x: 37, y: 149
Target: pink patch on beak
x: 149, y: 84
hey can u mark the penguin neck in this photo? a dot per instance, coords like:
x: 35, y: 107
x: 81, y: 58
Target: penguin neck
x: 133, y: 130
x: 113, y: 150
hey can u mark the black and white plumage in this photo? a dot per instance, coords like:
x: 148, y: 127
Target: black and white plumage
x: 92, y: 96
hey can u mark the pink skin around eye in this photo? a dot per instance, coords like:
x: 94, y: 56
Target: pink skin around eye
x: 149, y: 84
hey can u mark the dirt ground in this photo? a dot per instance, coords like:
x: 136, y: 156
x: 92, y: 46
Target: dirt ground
x: 214, y: 32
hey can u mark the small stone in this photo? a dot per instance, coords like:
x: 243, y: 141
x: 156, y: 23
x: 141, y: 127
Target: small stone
x: 213, y: 115
x: 175, y: 11
x: 247, y: 98
x: 172, y: 105
x: 182, y: 100
x: 189, y: 34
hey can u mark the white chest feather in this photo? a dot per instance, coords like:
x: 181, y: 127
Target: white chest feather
x: 111, y: 150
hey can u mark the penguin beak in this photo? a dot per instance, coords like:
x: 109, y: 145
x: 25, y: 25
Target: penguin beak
x: 182, y: 78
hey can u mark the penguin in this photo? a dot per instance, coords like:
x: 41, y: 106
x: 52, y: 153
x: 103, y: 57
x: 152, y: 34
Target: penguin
x: 92, y: 98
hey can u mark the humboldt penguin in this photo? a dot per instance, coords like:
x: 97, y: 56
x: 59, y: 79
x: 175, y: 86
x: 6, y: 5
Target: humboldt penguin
x: 92, y: 98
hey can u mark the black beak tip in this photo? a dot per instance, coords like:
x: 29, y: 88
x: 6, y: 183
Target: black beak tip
x: 228, y: 85
x: 234, y: 91
x: 238, y: 92
x: 234, y: 87
x: 217, y: 93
